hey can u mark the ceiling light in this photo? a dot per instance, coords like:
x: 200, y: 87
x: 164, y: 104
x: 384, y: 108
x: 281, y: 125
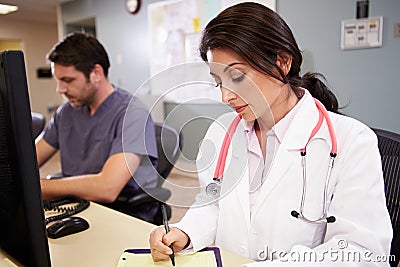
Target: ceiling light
x: 5, y: 9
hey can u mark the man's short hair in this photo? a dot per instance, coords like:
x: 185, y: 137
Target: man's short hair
x: 81, y: 50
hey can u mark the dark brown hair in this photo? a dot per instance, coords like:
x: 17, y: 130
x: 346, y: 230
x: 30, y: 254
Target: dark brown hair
x: 81, y: 50
x: 258, y: 35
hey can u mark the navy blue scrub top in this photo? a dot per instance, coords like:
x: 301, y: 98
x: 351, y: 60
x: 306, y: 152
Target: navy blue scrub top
x: 86, y: 142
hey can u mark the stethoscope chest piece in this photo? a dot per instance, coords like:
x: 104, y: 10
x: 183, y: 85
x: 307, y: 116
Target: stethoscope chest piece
x: 214, y: 189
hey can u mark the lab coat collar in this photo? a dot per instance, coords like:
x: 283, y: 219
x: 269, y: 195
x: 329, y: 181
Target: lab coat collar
x: 296, y: 135
x: 302, y: 125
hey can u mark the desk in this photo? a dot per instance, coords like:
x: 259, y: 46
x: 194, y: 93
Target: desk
x: 109, y: 234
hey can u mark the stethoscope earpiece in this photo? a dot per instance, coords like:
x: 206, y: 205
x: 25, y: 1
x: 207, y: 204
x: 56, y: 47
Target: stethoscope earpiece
x: 330, y: 219
x: 295, y: 214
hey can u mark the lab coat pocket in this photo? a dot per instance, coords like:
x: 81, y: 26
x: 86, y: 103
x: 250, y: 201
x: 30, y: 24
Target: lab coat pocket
x: 293, y: 231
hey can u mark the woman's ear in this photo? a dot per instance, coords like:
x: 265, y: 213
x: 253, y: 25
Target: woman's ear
x: 284, y: 62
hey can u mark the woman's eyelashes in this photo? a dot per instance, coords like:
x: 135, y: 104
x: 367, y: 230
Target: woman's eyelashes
x: 218, y: 82
x: 238, y: 77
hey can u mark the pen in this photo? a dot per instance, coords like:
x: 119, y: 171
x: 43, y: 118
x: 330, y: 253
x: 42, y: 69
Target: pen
x: 165, y: 220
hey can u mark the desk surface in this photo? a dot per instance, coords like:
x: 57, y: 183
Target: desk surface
x: 110, y: 233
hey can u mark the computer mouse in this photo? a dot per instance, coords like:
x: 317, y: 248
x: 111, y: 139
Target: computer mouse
x: 67, y: 226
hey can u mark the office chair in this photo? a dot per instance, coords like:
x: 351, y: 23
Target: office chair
x: 169, y: 145
x: 389, y: 148
x: 38, y: 123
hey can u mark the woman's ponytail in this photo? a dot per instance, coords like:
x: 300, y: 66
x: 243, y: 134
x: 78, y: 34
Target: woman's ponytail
x: 313, y: 82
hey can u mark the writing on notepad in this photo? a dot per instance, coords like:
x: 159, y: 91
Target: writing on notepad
x: 199, y: 259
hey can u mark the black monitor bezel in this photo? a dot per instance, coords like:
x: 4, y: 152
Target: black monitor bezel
x: 22, y: 159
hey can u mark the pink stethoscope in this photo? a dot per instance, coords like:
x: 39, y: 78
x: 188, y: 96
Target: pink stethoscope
x: 213, y: 189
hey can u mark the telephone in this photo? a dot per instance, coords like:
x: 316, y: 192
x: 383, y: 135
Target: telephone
x: 66, y: 206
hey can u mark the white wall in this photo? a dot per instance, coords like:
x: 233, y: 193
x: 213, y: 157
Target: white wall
x: 37, y: 39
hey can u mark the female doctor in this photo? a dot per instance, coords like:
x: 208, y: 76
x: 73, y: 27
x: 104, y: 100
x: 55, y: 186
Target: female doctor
x: 278, y: 199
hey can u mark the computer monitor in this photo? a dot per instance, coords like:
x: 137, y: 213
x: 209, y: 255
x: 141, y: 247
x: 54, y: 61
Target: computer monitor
x: 22, y: 227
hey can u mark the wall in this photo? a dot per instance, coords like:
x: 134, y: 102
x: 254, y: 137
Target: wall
x: 364, y: 80
x: 124, y: 36
x: 37, y: 39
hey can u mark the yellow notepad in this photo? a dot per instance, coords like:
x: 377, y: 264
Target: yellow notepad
x: 198, y: 259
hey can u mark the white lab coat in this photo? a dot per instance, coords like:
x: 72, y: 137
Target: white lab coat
x: 356, y: 188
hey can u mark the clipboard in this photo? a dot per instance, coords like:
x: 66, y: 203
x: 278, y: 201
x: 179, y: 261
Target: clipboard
x: 125, y: 257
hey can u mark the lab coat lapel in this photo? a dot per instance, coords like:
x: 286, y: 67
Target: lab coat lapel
x: 239, y: 169
x: 281, y: 164
x: 295, y: 138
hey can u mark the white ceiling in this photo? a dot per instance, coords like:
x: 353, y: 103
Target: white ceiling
x: 34, y: 10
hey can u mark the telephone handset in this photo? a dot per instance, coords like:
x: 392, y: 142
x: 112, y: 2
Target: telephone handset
x: 66, y: 206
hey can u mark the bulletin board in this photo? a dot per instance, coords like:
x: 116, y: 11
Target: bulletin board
x: 175, y: 29
x: 174, y: 32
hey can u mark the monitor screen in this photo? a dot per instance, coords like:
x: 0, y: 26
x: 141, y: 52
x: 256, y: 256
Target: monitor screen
x: 22, y: 227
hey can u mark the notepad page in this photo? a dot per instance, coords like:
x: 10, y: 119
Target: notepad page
x: 199, y: 259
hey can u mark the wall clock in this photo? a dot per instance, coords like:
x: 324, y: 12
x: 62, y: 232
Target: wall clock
x: 132, y: 6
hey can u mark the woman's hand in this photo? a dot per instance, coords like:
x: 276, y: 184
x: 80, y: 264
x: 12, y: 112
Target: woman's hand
x: 159, y: 242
